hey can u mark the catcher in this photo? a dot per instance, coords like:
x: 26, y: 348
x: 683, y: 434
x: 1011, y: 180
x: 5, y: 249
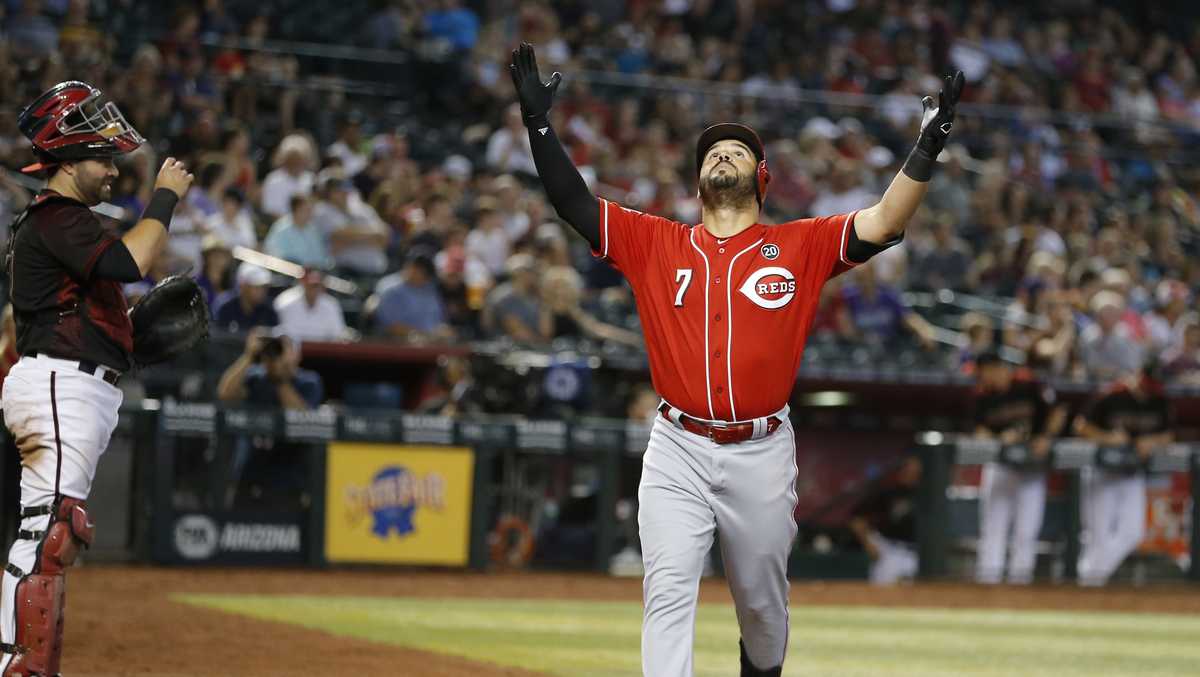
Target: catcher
x: 75, y: 337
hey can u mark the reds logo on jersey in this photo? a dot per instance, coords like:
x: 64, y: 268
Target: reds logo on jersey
x: 771, y: 288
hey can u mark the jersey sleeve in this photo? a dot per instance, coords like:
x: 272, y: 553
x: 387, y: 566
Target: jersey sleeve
x: 76, y: 240
x: 627, y: 237
x: 827, y: 241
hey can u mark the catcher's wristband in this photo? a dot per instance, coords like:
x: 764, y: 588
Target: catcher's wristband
x: 918, y: 166
x: 161, y: 206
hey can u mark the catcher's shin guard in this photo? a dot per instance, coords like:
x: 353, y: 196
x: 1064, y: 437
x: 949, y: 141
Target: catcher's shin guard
x: 748, y: 669
x: 41, y: 594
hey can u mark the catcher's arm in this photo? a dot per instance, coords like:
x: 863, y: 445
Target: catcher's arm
x: 145, y: 241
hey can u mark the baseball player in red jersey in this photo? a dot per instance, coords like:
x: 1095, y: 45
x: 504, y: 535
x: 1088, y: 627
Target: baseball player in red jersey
x: 60, y: 399
x: 725, y: 305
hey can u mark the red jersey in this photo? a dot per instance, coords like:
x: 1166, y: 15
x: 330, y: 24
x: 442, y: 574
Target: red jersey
x: 725, y: 320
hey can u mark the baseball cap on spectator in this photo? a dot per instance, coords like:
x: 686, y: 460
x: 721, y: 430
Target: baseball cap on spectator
x: 879, y: 157
x: 212, y: 243
x: 457, y: 167
x: 1170, y: 290
x: 821, y: 128
x: 1106, y: 299
x: 519, y: 263
x: 486, y: 204
x: 333, y: 179
x: 422, y: 258
x: 850, y: 126
x: 252, y: 275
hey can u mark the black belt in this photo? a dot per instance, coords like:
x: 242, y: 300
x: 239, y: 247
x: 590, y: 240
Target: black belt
x: 88, y: 367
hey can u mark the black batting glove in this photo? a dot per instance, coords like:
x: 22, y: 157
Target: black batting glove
x: 534, y: 96
x: 936, y: 124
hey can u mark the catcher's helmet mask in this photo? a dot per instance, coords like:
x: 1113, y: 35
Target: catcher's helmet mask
x: 742, y: 133
x: 69, y: 122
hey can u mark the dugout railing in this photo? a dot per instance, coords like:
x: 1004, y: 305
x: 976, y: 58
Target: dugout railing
x: 940, y: 526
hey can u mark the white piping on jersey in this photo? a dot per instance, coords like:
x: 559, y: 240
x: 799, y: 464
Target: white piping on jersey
x: 707, y: 377
x: 729, y: 316
x: 845, y: 233
x: 604, y: 254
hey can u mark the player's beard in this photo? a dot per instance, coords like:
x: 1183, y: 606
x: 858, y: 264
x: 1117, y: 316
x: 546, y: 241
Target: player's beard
x: 95, y: 189
x: 731, y: 190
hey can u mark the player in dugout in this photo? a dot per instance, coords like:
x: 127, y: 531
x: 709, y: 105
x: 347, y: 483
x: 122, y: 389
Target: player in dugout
x: 1022, y: 415
x: 1130, y: 420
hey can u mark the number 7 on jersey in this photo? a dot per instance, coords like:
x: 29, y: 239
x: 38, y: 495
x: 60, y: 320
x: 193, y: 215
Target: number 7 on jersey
x: 684, y: 276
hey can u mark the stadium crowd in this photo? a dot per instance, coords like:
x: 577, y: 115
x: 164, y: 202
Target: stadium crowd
x: 1068, y: 198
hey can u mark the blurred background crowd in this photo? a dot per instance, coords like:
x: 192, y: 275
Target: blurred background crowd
x: 377, y: 144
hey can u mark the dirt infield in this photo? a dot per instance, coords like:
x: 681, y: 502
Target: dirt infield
x: 122, y: 622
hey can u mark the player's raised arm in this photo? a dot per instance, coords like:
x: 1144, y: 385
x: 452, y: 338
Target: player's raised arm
x: 886, y: 220
x: 564, y: 186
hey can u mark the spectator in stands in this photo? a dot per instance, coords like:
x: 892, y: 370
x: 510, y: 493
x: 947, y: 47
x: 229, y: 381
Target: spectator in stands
x: 242, y: 309
x: 879, y: 316
x: 488, y: 241
x: 31, y: 36
x: 309, y: 313
x: 845, y: 192
x: 944, y: 261
x: 215, y: 269
x: 292, y: 175
x: 296, y: 237
x: 232, y: 223
x: 884, y: 523
x: 411, y: 307
x: 463, y: 282
x: 1165, y: 325
x: 562, y: 316
x: 832, y: 321
x: 456, y: 391
x: 358, y: 238
x: 457, y: 25
x: 1107, y: 346
x: 513, y: 308
x: 1182, y: 361
x: 980, y: 333
x: 269, y: 471
x: 268, y: 374
x: 508, y: 148
x: 349, y: 145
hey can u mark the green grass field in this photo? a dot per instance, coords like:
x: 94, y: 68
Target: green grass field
x: 600, y: 639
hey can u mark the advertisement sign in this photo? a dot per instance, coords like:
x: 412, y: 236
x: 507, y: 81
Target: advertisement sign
x: 238, y: 538
x: 398, y: 504
x: 1169, y: 516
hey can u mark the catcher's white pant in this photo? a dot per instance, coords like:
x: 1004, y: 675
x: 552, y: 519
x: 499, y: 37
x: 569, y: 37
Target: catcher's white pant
x: 61, y: 419
x: 1009, y: 499
x: 897, y: 561
x: 690, y: 487
x: 1113, y: 513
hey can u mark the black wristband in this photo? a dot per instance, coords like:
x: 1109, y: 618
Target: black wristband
x: 918, y: 166
x: 161, y: 206
x: 536, y: 122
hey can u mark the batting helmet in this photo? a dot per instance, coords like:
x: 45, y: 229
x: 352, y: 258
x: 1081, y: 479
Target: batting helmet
x: 732, y: 130
x: 68, y: 123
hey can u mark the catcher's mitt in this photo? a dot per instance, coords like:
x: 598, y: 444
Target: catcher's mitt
x: 170, y: 319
